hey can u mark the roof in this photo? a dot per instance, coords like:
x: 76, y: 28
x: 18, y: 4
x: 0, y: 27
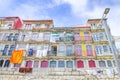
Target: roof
x: 51, y: 21
x: 94, y: 20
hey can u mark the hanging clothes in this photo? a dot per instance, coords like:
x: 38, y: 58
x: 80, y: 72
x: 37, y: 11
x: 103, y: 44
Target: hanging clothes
x: 17, y: 56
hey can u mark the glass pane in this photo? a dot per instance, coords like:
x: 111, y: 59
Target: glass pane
x: 69, y: 50
x: 78, y: 50
x: 89, y: 50
x: 80, y: 64
x: 5, y: 49
x: 52, y: 64
x: 109, y: 63
x: 29, y: 64
x: 69, y: 64
x: 61, y: 64
x: 1, y: 63
x: 7, y: 62
x: 44, y: 64
x: 36, y: 64
x: 102, y: 64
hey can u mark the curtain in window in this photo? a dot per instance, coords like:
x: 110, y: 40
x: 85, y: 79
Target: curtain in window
x: 69, y: 64
x: 44, y: 64
x: 5, y: 49
x: 89, y: 50
x: 61, y: 64
x: 102, y: 64
x: 7, y: 63
x: 78, y: 50
x: 92, y: 64
x: 1, y: 63
x: 29, y: 64
x: 69, y: 50
x: 36, y: 64
x: 80, y: 64
x: 52, y: 64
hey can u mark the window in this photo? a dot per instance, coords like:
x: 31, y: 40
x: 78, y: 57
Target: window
x: 29, y: 64
x: 5, y: 49
x: 102, y: 64
x: 36, y: 64
x: 101, y: 36
x: 47, y: 37
x: 54, y: 50
x: 1, y: 63
x: 69, y: 64
x: 80, y: 64
x: 61, y: 64
x: 105, y: 48
x: 95, y: 37
x: 69, y: 50
x: 30, y: 52
x: 61, y: 50
x: 89, y: 50
x: 114, y: 62
x: 92, y: 64
x: 69, y: 36
x: 109, y: 63
x: 10, y: 37
x: 98, y: 49
x: 7, y: 63
x: 78, y: 50
x: 44, y: 64
x: 12, y: 47
x: 87, y: 36
x: 16, y: 37
x: 55, y: 37
x: 34, y: 36
x: 77, y: 36
x: 52, y: 64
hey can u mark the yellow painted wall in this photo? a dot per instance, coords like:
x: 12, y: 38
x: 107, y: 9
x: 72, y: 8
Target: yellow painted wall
x: 82, y: 35
x: 84, y: 49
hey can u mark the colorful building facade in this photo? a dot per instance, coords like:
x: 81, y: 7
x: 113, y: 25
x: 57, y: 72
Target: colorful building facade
x: 55, y: 53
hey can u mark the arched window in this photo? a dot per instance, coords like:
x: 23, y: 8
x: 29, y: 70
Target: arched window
x: 29, y: 64
x: 44, y: 64
x: 52, y: 64
x: 80, y: 64
x: 92, y: 64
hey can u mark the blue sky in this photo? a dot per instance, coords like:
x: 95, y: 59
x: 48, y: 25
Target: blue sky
x: 64, y: 12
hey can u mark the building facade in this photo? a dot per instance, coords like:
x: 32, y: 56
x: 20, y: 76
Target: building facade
x: 55, y: 53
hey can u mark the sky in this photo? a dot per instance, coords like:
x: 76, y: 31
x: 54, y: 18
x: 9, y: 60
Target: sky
x: 65, y: 13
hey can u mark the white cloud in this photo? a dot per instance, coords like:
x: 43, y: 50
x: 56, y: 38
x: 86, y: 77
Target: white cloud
x: 79, y: 9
